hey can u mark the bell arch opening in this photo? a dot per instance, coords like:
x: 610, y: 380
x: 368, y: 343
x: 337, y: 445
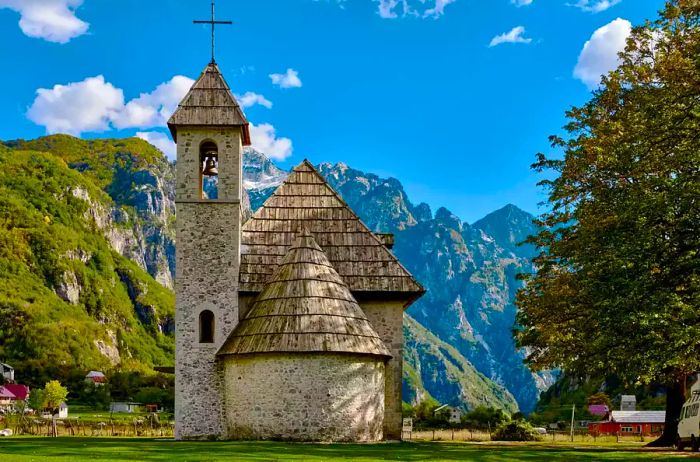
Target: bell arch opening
x: 209, y: 170
x: 206, y: 327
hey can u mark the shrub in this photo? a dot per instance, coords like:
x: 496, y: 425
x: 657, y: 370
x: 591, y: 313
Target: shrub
x: 515, y: 430
x: 485, y: 417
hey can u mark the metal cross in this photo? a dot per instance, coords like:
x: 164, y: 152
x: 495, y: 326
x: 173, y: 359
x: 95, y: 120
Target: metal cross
x: 213, y: 22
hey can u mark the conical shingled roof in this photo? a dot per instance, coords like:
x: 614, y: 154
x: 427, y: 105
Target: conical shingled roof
x: 210, y: 103
x: 305, y: 307
x: 306, y: 200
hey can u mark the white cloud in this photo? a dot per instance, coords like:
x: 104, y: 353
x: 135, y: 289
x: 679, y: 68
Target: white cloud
x: 96, y: 105
x: 155, y: 108
x: 161, y: 141
x: 437, y: 10
x: 600, y: 54
x: 52, y: 20
x: 249, y: 99
x: 386, y: 9
x: 520, y: 3
x: 390, y: 9
x: 89, y: 105
x: 516, y: 35
x: 264, y: 139
x: 595, y: 6
x: 289, y: 79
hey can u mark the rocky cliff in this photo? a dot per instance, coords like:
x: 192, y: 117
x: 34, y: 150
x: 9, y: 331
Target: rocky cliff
x: 81, y: 226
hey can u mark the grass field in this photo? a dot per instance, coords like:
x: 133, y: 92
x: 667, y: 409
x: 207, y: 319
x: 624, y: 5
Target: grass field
x: 122, y: 449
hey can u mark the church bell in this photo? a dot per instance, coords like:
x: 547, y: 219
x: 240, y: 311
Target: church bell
x: 210, y: 167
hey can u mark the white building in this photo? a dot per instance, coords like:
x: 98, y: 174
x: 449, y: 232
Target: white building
x: 63, y: 411
x: 125, y: 407
x: 628, y: 403
x: 7, y: 372
x: 454, y: 414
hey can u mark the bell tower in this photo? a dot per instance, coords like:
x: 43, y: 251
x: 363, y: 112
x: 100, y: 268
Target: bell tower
x: 210, y: 130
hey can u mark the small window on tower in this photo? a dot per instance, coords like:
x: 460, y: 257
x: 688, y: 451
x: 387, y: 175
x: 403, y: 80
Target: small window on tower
x: 206, y: 327
x: 209, y: 170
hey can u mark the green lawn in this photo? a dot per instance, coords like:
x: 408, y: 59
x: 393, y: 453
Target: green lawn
x: 122, y: 449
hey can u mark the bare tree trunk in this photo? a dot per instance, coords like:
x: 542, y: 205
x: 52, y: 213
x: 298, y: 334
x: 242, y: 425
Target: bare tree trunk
x: 675, y: 397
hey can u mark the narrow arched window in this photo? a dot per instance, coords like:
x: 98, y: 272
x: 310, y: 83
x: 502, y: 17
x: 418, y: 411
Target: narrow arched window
x: 206, y: 327
x: 209, y: 170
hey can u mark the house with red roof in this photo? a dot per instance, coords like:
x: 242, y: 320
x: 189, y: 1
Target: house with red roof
x: 96, y: 377
x: 6, y: 397
x: 21, y: 392
x: 628, y: 423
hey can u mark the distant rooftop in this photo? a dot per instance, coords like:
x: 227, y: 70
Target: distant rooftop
x: 638, y: 416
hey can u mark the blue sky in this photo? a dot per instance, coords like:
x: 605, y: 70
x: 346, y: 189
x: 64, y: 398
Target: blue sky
x: 452, y: 97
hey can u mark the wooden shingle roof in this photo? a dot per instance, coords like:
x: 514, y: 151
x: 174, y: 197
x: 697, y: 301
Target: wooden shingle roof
x: 209, y: 103
x: 305, y: 307
x: 306, y: 201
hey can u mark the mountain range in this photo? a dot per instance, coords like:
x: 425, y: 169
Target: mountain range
x: 87, y: 253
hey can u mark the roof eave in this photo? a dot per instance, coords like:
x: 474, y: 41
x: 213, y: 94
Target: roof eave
x: 383, y: 357
x: 245, y: 130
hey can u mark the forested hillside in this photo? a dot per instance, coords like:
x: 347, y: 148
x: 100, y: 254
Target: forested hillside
x: 69, y: 296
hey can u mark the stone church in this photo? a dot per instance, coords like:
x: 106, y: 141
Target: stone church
x: 289, y: 323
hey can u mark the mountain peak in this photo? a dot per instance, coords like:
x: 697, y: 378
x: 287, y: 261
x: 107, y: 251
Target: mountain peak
x: 448, y: 218
x: 509, y: 226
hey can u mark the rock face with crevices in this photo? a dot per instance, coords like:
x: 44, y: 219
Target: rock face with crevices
x: 85, y: 249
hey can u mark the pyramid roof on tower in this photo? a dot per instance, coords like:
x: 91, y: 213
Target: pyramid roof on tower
x: 209, y: 103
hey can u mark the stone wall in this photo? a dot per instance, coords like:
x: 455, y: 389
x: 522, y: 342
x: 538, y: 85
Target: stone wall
x: 208, y: 260
x: 386, y: 318
x: 305, y: 397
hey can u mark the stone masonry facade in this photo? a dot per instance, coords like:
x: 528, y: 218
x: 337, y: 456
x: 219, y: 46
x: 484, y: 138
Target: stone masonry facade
x: 305, y: 397
x: 208, y: 260
x: 386, y: 318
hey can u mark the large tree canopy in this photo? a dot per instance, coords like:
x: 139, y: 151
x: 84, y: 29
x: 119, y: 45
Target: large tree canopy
x: 617, y: 289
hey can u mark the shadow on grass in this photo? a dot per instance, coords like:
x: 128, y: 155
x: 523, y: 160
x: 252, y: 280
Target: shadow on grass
x: 116, y: 449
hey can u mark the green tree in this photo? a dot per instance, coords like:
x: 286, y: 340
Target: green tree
x: 96, y: 396
x: 54, y: 395
x: 485, y: 417
x: 599, y: 398
x: 424, y: 410
x: 617, y: 290
x: 36, y: 399
x: 407, y: 410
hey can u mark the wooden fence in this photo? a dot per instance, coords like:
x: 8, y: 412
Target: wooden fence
x: 481, y: 435
x: 148, y: 427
